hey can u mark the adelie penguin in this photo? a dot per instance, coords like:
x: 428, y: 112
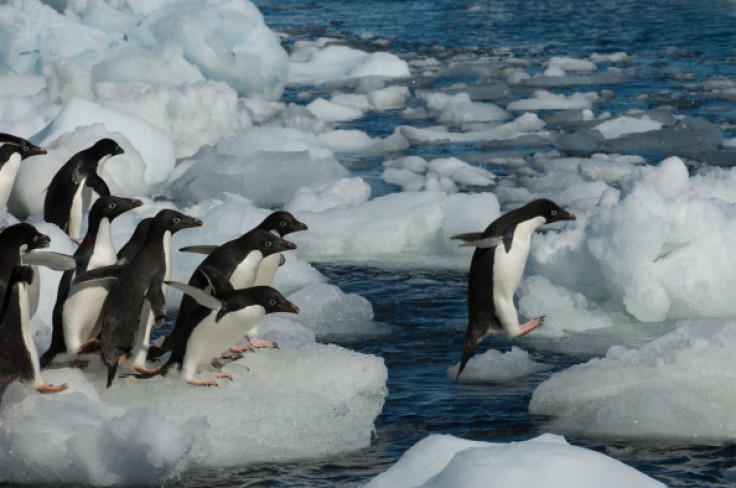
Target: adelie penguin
x: 496, y: 269
x: 13, y: 151
x: 221, y: 319
x: 239, y: 261
x: 137, y: 281
x: 18, y: 354
x: 64, y: 202
x: 76, y: 314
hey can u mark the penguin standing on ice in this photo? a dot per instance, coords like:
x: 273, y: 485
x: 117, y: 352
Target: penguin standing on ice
x: 13, y: 151
x: 221, y: 319
x: 64, y: 202
x: 137, y: 281
x: 76, y: 314
x: 18, y: 354
x: 280, y: 224
x: 239, y: 260
x: 496, y: 269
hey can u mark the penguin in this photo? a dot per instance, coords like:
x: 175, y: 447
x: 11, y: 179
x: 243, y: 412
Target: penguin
x: 75, y: 317
x: 64, y: 202
x: 18, y: 354
x: 136, y: 241
x: 221, y: 319
x: 137, y: 281
x: 238, y: 260
x: 279, y: 223
x: 13, y: 151
x: 496, y: 269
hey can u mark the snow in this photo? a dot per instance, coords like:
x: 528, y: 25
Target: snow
x: 439, y: 461
x: 677, y: 387
x: 496, y: 366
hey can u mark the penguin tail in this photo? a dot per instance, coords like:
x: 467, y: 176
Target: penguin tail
x: 111, y: 370
x: 468, y: 351
x: 159, y: 348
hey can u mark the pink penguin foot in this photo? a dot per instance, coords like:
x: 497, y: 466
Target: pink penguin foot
x: 78, y: 363
x: 45, y: 388
x: 222, y: 375
x: 256, y: 342
x: 89, y: 346
x: 146, y: 371
x: 196, y: 382
x: 530, y: 326
x: 240, y: 349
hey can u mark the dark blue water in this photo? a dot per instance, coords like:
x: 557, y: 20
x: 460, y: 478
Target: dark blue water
x: 425, y: 309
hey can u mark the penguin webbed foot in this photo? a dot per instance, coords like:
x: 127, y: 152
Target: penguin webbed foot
x: 239, y: 349
x: 530, y: 326
x: 146, y: 371
x: 196, y: 382
x: 262, y: 343
x: 46, y: 388
x: 220, y: 375
x: 78, y: 363
x: 91, y: 345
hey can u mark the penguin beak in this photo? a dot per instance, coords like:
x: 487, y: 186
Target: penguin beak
x: 283, y: 245
x: 568, y: 216
x: 44, y: 241
x: 288, y: 307
x: 194, y: 223
x: 302, y: 226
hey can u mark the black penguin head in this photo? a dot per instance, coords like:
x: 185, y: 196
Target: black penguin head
x: 106, y: 147
x: 23, y: 147
x: 23, y: 236
x: 549, y: 210
x: 269, y: 243
x: 110, y: 207
x: 282, y: 223
x: 174, y: 221
x: 273, y: 301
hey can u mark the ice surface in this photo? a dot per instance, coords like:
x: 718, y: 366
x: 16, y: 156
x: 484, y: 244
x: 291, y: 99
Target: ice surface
x: 496, y: 366
x: 677, y: 387
x: 312, y: 63
x: 440, y: 461
x: 545, y: 100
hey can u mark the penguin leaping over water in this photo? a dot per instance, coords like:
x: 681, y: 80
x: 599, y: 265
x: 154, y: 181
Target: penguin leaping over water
x: 496, y: 269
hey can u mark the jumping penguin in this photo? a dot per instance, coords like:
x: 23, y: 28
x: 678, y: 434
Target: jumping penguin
x: 76, y: 314
x: 496, y: 269
x: 137, y: 281
x: 221, y: 319
x: 64, y: 202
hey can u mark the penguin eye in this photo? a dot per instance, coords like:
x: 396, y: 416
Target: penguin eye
x: 553, y: 213
x: 267, y: 243
x: 35, y: 238
x: 176, y: 220
x: 272, y: 302
x: 112, y: 205
x: 25, y: 148
x: 282, y: 223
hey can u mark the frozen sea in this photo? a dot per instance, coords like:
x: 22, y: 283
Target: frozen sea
x: 623, y: 112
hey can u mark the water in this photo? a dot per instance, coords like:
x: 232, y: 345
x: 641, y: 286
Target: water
x: 673, y: 46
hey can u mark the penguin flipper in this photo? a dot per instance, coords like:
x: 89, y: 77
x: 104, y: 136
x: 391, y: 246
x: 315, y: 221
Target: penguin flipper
x: 201, y: 296
x: 201, y: 249
x: 157, y: 301
x: 96, y: 182
x: 476, y: 239
x: 111, y: 370
x: 102, y: 273
x: 53, y: 260
x: 216, y: 279
x: 282, y: 260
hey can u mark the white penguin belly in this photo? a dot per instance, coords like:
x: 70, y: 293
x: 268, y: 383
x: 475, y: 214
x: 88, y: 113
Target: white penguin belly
x: 81, y: 313
x: 267, y: 270
x: 211, y: 338
x: 508, y: 268
x: 25, y: 324
x: 7, y: 178
x: 75, y: 213
x: 245, y: 274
